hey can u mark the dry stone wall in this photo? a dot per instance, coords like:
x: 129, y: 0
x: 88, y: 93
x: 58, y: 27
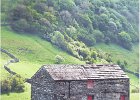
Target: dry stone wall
x: 77, y: 90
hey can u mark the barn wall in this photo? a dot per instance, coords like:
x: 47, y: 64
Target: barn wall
x: 102, y: 90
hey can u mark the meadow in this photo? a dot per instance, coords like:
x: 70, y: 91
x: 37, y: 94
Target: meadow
x: 34, y: 52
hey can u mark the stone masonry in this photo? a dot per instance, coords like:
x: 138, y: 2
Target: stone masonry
x: 70, y: 82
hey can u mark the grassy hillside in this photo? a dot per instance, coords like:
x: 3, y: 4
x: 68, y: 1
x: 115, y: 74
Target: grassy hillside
x: 33, y: 52
x: 132, y: 57
x: 72, y: 25
x: 118, y: 53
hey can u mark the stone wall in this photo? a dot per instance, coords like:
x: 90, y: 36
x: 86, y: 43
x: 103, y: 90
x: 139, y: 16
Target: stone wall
x: 102, y: 89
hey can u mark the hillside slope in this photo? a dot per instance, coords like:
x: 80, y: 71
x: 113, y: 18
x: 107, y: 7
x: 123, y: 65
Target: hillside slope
x: 75, y: 25
x: 132, y: 58
x: 121, y: 54
x: 74, y: 29
x: 33, y: 52
x: 31, y: 49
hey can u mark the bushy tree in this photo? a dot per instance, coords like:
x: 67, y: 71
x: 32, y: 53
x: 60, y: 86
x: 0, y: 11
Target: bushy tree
x: 99, y: 36
x: 125, y: 40
x: 17, y: 84
x: 87, y: 39
x: 40, y: 7
x: 14, y: 84
x: 94, y: 54
x: 84, y: 20
x: 59, y: 59
x: 5, y: 86
x: 58, y: 39
x: 107, y: 40
x: 20, y: 12
x: 21, y: 25
x: 66, y: 17
x: 112, y: 27
x: 66, y: 4
x: 84, y: 53
x: 72, y: 32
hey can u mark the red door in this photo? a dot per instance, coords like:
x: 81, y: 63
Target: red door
x: 89, y: 98
x: 122, y: 97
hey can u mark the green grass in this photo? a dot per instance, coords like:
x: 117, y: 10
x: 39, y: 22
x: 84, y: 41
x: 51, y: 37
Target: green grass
x: 19, y: 96
x: 33, y: 52
x: 32, y: 49
x: 132, y: 57
x: 134, y: 96
x: 119, y: 53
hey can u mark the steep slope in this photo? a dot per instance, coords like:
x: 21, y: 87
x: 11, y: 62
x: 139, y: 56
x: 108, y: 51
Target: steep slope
x: 31, y: 50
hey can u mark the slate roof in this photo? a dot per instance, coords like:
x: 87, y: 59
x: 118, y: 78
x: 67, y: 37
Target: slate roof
x: 84, y: 72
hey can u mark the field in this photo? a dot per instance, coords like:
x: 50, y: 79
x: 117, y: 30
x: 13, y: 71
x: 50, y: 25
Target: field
x: 34, y: 52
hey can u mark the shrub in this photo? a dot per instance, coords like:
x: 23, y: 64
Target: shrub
x: 59, y: 59
x: 94, y: 54
x: 66, y: 17
x: 17, y: 84
x: 87, y: 39
x: 98, y: 35
x: 136, y: 90
x: 20, y: 12
x: 5, y: 86
x: 20, y: 25
x: 58, y: 39
x: 66, y: 4
x: 14, y: 84
x: 125, y: 40
x: 40, y: 7
x: 71, y: 31
x: 118, y: 62
x: 84, y: 53
x: 107, y: 40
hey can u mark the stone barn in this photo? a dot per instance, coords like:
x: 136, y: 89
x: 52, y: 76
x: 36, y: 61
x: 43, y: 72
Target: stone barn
x: 80, y: 82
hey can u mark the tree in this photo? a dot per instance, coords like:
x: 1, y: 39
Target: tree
x: 87, y: 39
x: 20, y: 12
x: 20, y: 25
x: 72, y: 32
x: 66, y: 4
x: 14, y: 84
x: 5, y: 86
x: 112, y: 27
x: 17, y: 84
x: 84, y: 53
x: 107, y: 40
x: 40, y: 7
x: 66, y: 17
x: 94, y: 54
x: 99, y: 36
x: 59, y: 59
x: 58, y: 39
x: 125, y: 40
